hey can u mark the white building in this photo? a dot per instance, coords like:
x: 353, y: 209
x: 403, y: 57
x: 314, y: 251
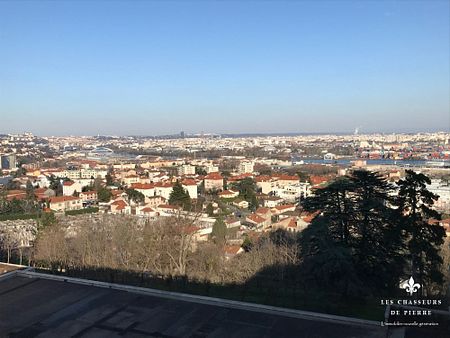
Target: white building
x: 191, y: 187
x: 186, y: 169
x: 442, y: 189
x: 212, y: 169
x: 293, y: 192
x: 69, y: 188
x: 245, y: 167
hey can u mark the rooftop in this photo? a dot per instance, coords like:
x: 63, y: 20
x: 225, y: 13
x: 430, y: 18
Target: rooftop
x: 50, y: 307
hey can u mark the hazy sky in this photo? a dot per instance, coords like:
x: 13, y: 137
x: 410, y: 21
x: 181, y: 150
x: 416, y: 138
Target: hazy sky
x: 147, y: 68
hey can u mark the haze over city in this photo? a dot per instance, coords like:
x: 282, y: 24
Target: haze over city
x: 154, y: 68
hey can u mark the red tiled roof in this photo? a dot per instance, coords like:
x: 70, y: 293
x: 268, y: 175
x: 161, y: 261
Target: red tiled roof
x: 256, y: 218
x: 142, y: 186
x: 163, y: 185
x: 147, y: 210
x: 262, y: 178
x: 16, y: 194
x: 316, y: 179
x: 292, y: 223
x: 59, y: 199
x: 232, y: 249
x: 189, y: 181
x: 262, y: 210
x: 214, y: 176
x: 121, y: 204
x: 284, y: 207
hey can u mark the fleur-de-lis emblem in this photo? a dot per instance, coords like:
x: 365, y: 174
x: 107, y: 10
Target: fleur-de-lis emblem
x: 410, y: 286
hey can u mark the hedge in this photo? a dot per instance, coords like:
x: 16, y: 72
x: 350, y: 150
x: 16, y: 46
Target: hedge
x: 81, y: 211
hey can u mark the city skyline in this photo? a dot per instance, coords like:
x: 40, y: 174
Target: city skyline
x: 152, y: 68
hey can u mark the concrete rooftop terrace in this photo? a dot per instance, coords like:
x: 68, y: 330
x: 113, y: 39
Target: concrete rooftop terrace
x: 37, y: 305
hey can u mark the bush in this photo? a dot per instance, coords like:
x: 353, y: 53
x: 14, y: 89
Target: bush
x: 81, y: 211
x: 12, y: 217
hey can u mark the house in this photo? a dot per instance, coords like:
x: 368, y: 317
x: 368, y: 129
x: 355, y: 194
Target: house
x: 292, y: 193
x: 167, y: 209
x: 264, y: 183
x: 291, y: 224
x: 213, y: 181
x: 146, y: 211
x: 264, y: 212
x: 307, y: 217
x: 319, y: 180
x: 65, y: 203
x: 232, y: 222
x: 163, y: 189
x: 228, y: 194
x: 446, y: 224
x: 154, y: 201
x: 284, y: 180
x: 272, y: 201
x: 70, y: 187
x: 44, y: 193
x: 16, y: 194
x: 120, y: 206
x: 258, y: 221
x: 232, y: 250
x: 89, y: 196
x: 147, y: 189
x: 280, y: 209
x: 240, y: 203
x: 130, y: 179
x: 191, y: 187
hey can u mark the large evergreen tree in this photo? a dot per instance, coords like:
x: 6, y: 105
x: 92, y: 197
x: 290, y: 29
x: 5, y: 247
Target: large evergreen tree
x: 135, y: 196
x: 179, y: 196
x: 357, y: 227
x: 335, y: 205
x: 378, y: 240
x: 219, y: 231
x: 424, y: 235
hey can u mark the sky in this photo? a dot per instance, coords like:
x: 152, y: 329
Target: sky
x: 161, y: 67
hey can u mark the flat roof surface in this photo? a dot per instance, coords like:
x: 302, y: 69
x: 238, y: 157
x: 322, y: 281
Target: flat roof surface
x: 36, y: 307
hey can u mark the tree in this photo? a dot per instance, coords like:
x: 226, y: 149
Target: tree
x: 200, y: 171
x: 135, y: 196
x: 335, y: 205
x: 30, y: 191
x: 355, y: 223
x: 424, y: 235
x: 247, y: 244
x: 179, y: 196
x: 210, y: 210
x: 303, y: 176
x: 219, y: 231
x: 55, y: 184
x: 98, y: 184
x: 8, y: 241
x: 327, y: 265
x: 109, y: 179
x: 104, y: 195
x: 378, y: 240
x: 21, y: 171
x: 47, y: 219
x: 247, y: 191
